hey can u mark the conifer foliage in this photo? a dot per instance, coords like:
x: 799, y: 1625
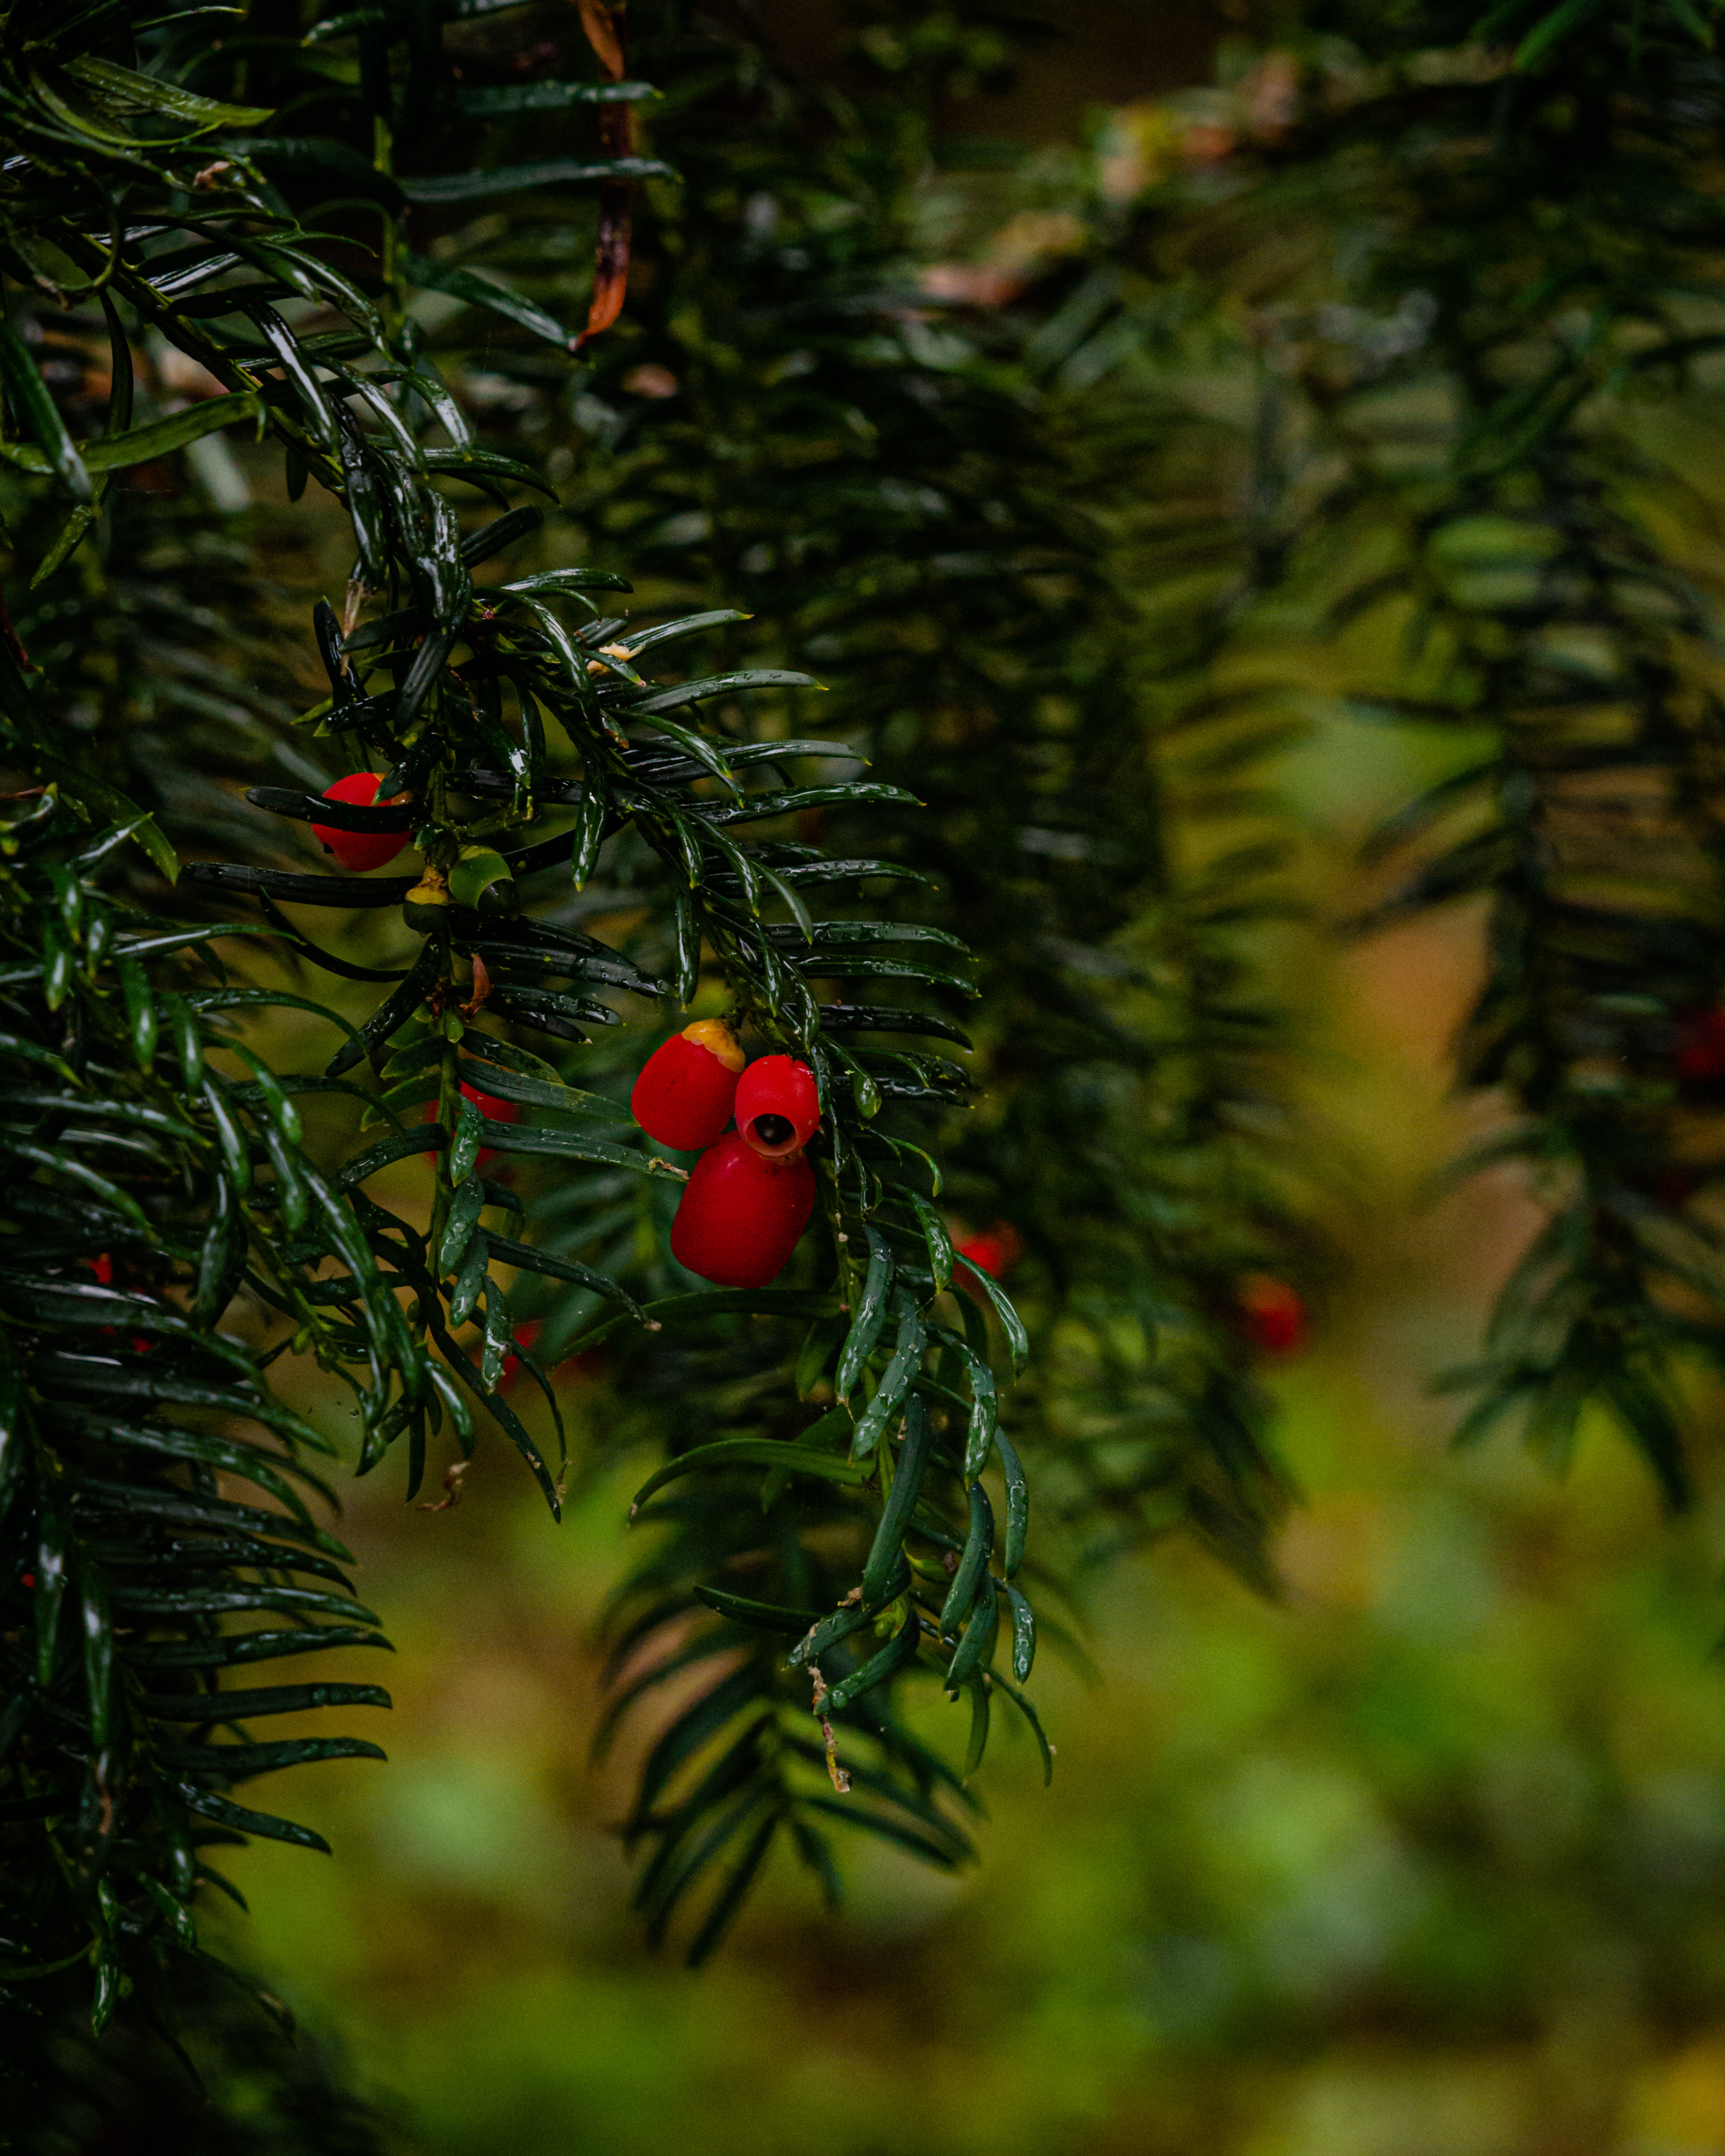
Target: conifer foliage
x: 172, y: 1234
x: 1487, y: 492
x: 1456, y: 270
x: 1558, y: 210
x: 902, y: 503
x: 945, y: 584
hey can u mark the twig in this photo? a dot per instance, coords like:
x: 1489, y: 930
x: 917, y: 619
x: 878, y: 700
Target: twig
x: 455, y: 1482
x: 835, y: 1773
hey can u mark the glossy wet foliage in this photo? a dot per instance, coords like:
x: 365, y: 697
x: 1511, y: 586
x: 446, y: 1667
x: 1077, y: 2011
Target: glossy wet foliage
x: 903, y: 603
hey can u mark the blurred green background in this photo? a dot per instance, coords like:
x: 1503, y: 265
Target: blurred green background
x: 1425, y: 1858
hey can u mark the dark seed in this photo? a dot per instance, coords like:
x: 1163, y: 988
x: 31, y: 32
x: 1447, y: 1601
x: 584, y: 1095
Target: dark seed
x: 775, y: 1130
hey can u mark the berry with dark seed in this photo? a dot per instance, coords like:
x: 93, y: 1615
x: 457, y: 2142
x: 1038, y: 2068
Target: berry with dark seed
x: 777, y: 1106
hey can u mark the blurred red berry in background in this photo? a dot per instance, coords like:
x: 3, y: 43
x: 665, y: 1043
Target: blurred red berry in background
x: 995, y: 1251
x: 585, y: 1368
x: 525, y: 1333
x: 1701, y: 1045
x: 488, y: 1106
x: 494, y: 1111
x: 1272, y: 1315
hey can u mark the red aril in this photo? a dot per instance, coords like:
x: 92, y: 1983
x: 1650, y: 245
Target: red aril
x: 102, y: 1266
x: 1272, y: 1314
x: 490, y: 1106
x: 494, y: 1111
x: 584, y: 1368
x: 741, y: 1215
x: 684, y: 1094
x: 525, y: 1333
x: 777, y: 1106
x: 358, y: 850
x: 994, y: 1252
x: 1701, y: 1046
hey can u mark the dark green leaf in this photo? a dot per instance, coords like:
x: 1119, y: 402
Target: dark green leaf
x: 434, y: 188
x: 885, y: 1552
x: 764, y: 1616
x: 30, y: 396
x: 750, y: 1452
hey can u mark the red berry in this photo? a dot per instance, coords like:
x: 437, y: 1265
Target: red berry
x: 1272, y: 1314
x: 742, y: 1214
x: 777, y: 1106
x: 525, y: 1333
x: 103, y: 1268
x: 495, y: 1111
x: 490, y: 1106
x: 684, y: 1094
x: 584, y: 1368
x: 358, y: 849
x: 1701, y: 1045
x: 995, y: 1252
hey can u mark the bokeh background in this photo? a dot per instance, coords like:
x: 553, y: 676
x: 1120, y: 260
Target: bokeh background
x: 1423, y: 1857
